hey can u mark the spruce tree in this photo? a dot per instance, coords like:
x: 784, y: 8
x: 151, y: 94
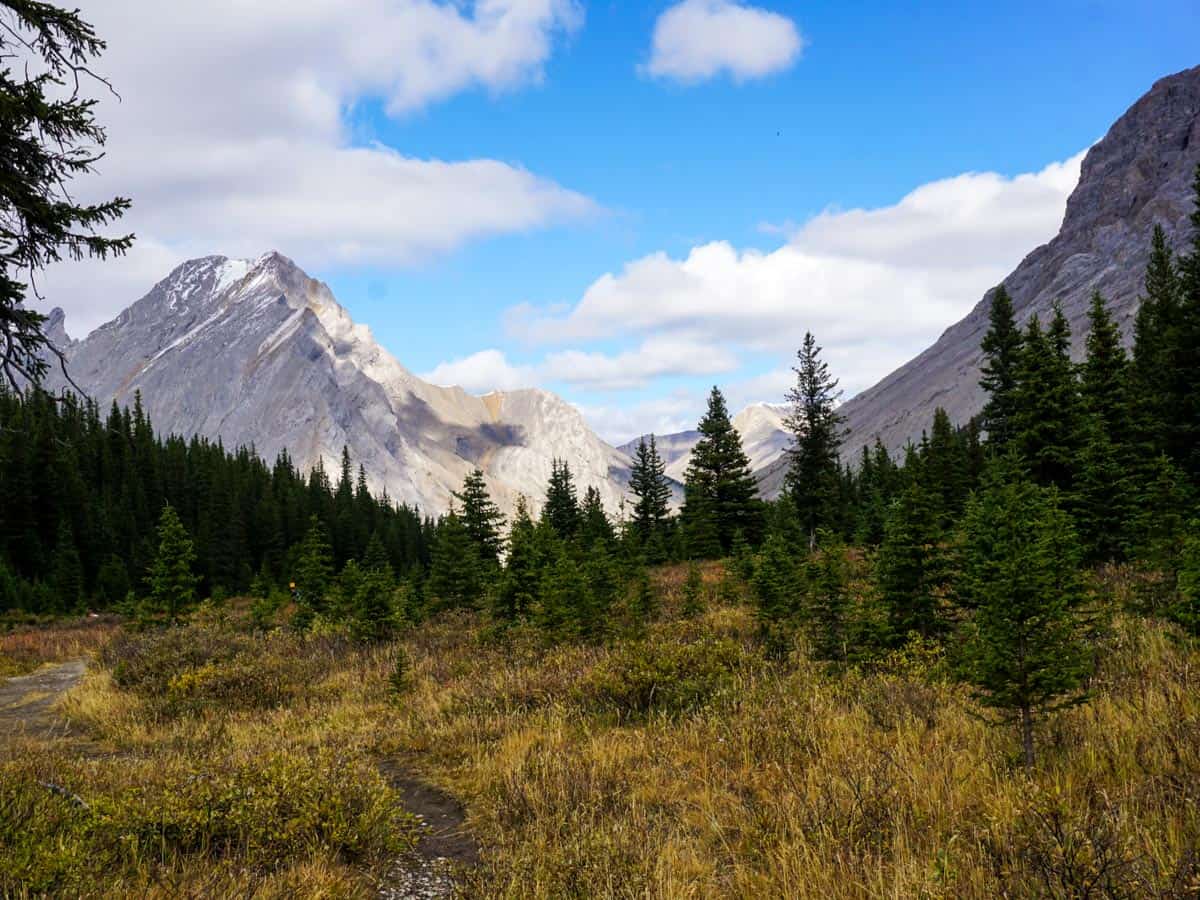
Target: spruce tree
x: 698, y: 528
x: 719, y: 484
x: 562, y: 504
x: 455, y: 572
x: 1101, y: 499
x: 371, y: 605
x: 1027, y: 655
x: 1046, y: 418
x: 482, y: 519
x: 314, y: 569
x: 603, y: 585
x: 1105, y: 375
x: 594, y: 526
x: 519, y: 589
x: 812, y: 479
x: 48, y: 137
x: 827, y: 589
x: 171, y: 579
x: 915, y: 567
x: 1154, y: 328
x: 776, y: 583
x: 998, y: 375
x: 652, y: 493
x: 945, y: 468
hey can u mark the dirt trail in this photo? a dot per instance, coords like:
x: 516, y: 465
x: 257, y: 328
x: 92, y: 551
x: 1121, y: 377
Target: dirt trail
x: 445, y: 847
x: 26, y: 702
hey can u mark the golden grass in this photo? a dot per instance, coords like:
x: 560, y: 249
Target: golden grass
x: 26, y: 647
x: 787, y: 780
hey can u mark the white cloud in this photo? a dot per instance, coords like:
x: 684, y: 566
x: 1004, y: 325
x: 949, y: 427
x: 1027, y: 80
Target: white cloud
x: 699, y: 39
x: 482, y: 372
x: 875, y: 286
x: 231, y: 133
x: 490, y: 370
x: 620, y: 423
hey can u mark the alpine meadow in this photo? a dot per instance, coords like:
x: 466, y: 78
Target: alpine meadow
x: 771, y: 563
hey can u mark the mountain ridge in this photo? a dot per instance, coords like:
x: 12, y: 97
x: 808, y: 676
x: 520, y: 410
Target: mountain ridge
x: 256, y: 352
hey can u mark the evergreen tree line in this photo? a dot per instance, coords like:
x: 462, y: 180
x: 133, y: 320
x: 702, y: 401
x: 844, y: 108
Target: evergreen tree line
x: 83, y: 495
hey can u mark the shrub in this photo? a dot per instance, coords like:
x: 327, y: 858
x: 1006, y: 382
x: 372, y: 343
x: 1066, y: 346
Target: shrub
x: 644, y: 675
x: 261, y: 812
x: 186, y: 668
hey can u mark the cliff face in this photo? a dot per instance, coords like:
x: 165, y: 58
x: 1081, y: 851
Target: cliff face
x: 1138, y: 176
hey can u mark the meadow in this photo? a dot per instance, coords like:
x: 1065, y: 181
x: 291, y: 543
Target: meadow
x: 216, y: 758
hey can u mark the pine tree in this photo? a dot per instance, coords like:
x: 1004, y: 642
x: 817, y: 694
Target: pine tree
x: 371, y: 605
x: 1101, y: 499
x: 698, y: 526
x: 171, y: 578
x: 562, y: 504
x: 914, y: 567
x: 648, y: 484
x: 719, y: 483
x: 376, y: 557
x: 1105, y: 376
x: 519, y: 590
x: 827, y: 586
x: 945, y: 468
x: 314, y: 570
x: 603, y: 585
x: 594, y: 526
x: 455, y: 576
x: 482, y: 519
x: 776, y: 583
x: 1154, y: 328
x: 998, y: 375
x: 817, y: 430
x: 1046, y: 416
x: 1027, y: 655
x: 48, y: 136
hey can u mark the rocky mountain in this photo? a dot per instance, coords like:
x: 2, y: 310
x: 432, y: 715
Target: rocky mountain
x: 1138, y: 176
x: 256, y: 352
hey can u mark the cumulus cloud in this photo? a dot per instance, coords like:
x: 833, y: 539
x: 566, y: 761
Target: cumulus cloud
x: 490, y: 370
x: 482, y: 372
x: 875, y: 286
x: 699, y: 39
x: 231, y: 133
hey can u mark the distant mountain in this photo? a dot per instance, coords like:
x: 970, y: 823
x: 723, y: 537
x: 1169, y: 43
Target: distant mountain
x: 1138, y: 176
x: 256, y: 352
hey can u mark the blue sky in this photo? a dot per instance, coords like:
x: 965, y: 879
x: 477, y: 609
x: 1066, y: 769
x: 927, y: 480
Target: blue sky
x: 642, y: 160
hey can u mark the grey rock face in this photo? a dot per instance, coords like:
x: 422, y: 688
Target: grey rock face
x: 257, y: 353
x: 1138, y: 176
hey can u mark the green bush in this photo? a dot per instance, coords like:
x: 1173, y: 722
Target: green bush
x: 187, y: 668
x: 642, y: 676
x: 262, y: 812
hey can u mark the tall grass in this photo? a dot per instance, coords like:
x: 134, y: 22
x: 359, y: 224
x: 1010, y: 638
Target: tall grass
x: 680, y: 762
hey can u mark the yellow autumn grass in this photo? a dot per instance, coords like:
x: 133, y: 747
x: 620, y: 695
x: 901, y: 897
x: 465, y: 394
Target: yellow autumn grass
x: 765, y: 780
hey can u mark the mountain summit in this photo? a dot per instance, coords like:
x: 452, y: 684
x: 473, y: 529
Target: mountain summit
x: 1138, y: 176
x: 257, y: 352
